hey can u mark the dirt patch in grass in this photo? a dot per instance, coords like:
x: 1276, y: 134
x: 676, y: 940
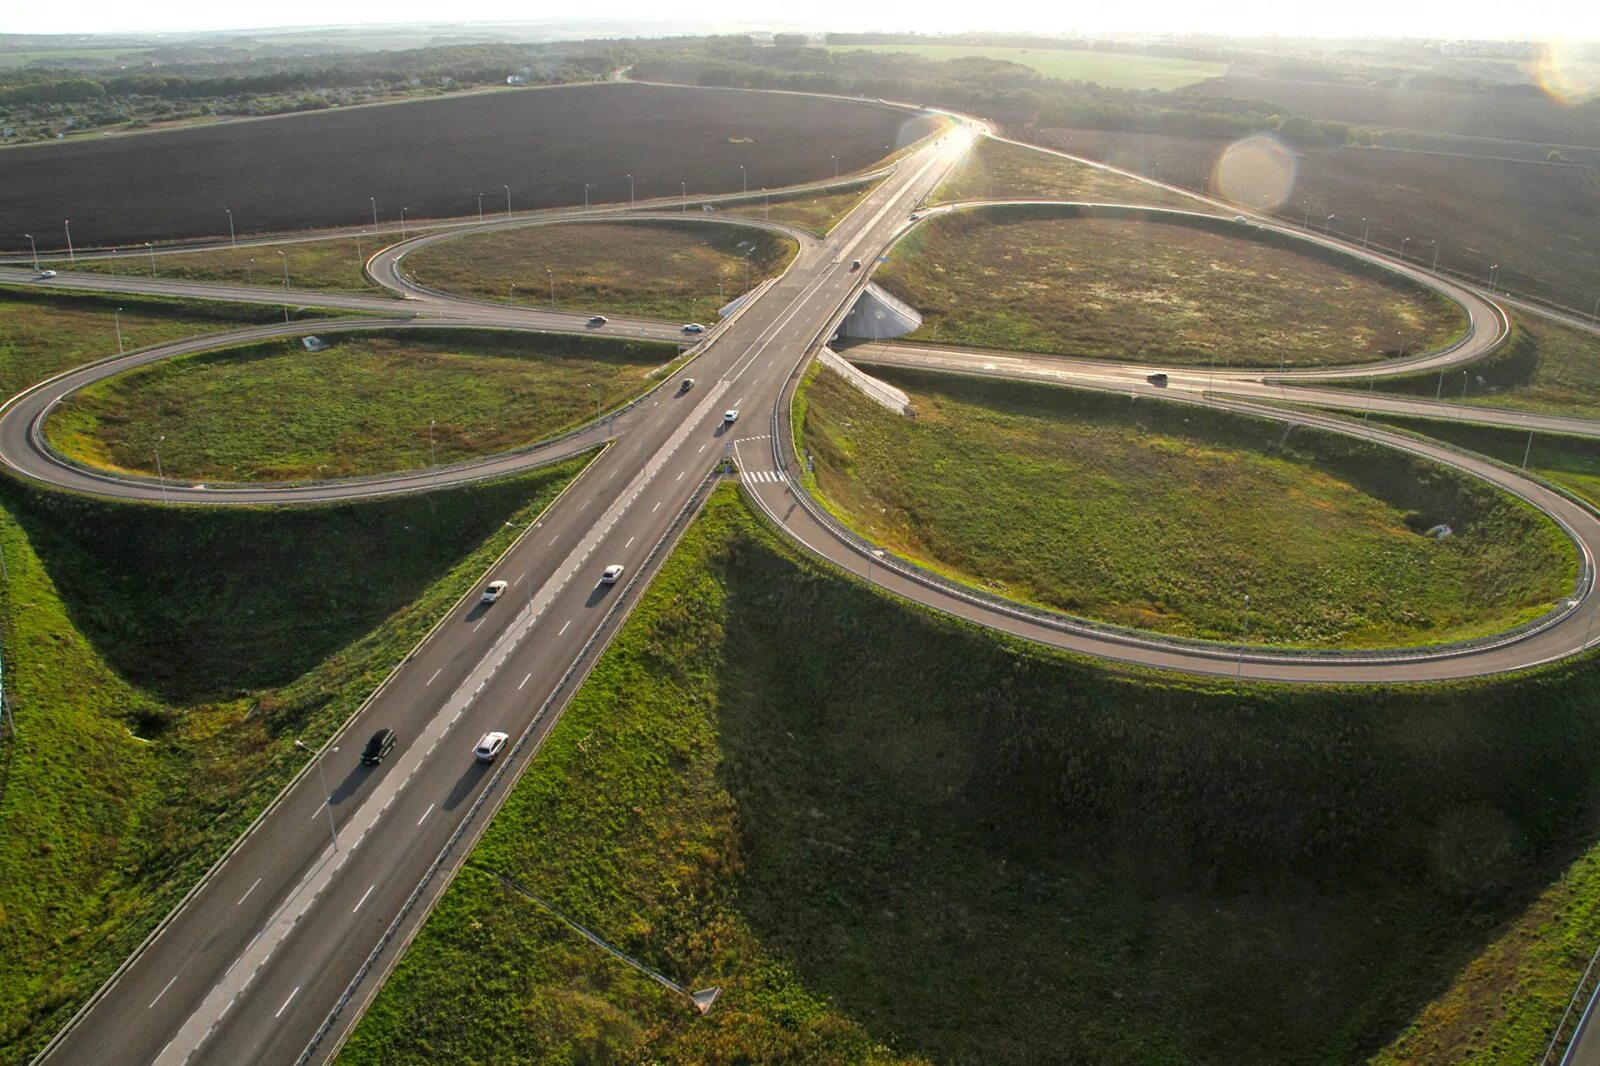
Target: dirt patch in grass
x: 370, y: 403
x: 889, y: 837
x: 649, y: 269
x: 42, y: 334
x: 1001, y: 170
x: 1165, y: 516
x: 1213, y: 292
x: 152, y: 727
x: 331, y: 264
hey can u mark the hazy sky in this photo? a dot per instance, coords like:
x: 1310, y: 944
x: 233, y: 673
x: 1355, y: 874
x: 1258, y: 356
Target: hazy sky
x: 1426, y: 18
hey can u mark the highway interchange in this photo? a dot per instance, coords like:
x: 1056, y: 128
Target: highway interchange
x: 273, y: 955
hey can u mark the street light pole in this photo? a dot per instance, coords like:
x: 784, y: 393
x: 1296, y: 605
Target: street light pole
x: 152, y: 250
x: 67, y: 224
x: 835, y: 165
x: 630, y: 190
x: 1244, y: 635
x: 432, y: 455
x: 116, y: 317
x: 160, y: 474
x: 1592, y: 314
x: 233, y: 241
x: 1494, y: 269
x: 373, y: 200
x: 1403, y: 242
x: 35, y: 248
x: 552, y: 275
x: 1435, y: 266
x: 403, y: 211
x: 1327, y: 224
x: 744, y: 177
x: 586, y: 196
x: 507, y: 188
x: 480, y: 207
x: 685, y: 187
x: 333, y: 831
x: 285, y: 257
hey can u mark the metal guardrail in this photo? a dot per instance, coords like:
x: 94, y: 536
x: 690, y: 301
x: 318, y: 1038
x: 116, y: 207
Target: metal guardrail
x: 577, y: 671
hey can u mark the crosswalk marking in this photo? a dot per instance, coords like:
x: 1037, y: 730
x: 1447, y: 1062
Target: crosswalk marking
x: 767, y: 476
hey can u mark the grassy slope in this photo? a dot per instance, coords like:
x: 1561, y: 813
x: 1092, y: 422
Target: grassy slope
x: 43, y: 333
x: 275, y: 412
x: 1164, y: 516
x: 1111, y: 69
x: 1544, y: 367
x: 1167, y: 293
x: 288, y: 620
x: 330, y: 264
x: 977, y: 851
x: 1572, y: 462
x: 650, y: 269
x: 816, y: 212
x: 1000, y: 170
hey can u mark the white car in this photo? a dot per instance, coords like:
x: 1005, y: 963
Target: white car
x: 694, y: 327
x: 598, y: 320
x: 611, y: 573
x: 730, y: 416
x: 495, y: 590
x: 46, y: 274
x: 489, y: 746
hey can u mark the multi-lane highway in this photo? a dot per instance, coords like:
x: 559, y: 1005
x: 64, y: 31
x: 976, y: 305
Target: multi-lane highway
x: 253, y: 965
x: 257, y: 965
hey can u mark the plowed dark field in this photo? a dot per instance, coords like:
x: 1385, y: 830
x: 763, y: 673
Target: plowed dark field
x: 434, y: 158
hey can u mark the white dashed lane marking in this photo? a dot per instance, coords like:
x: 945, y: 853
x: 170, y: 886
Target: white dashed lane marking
x: 362, y: 900
x: 288, y: 1001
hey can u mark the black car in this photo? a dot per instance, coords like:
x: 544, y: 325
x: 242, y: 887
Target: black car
x: 381, y: 744
x: 1157, y: 378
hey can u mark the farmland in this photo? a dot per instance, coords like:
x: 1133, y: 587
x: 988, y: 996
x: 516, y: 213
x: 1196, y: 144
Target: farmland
x: 317, y: 170
x: 650, y: 269
x: 181, y: 709
x: 1513, y: 116
x: 373, y: 402
x: 1164, y: 516
x: 890, y: 838
x: 999, y: 170
x: 1115, y: 287
x: 1114, y: 70
x: 1530, y: 218
x: 333, y: 264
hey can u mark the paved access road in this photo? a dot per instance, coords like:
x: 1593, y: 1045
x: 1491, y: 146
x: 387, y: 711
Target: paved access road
x: 251, y: 967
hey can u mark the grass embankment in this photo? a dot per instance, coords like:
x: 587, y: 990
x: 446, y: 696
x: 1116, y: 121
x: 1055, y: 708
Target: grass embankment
x: 1543, y: 366
x: 1000, y: 170
x: 154, y: 725
x: 648, y: 269
x: 1572, y: 462
x: 815, y: 212
x: 275, y: 412
x: 1165, y: 516
x: 1114, y: 70
x: 44, y: 333
x: 328, y: 264
x: 886, y: 835
x: 1198, y: 293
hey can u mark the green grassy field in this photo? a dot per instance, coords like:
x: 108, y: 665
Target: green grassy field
x: 45, y: 333
x: 152, y: 727
x: 1544, y: 367
x: 650, y: 269
x: 1114, y: 70
x: 815, y: 212
x: 275, y: 412
x: 10, y: 59
x: 890, y: 838
x: 1571, y: 462
x: 1166, y: 293
x: 1165, y: 516
x: 1000, y: 170
x: 331, y: 264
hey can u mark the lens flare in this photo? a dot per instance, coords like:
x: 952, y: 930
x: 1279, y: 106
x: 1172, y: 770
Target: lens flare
x: 1257, y: 172
x: 1568, y: 74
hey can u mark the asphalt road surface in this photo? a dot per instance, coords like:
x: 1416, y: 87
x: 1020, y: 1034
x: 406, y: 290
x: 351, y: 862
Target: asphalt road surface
x: 250, y: 968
